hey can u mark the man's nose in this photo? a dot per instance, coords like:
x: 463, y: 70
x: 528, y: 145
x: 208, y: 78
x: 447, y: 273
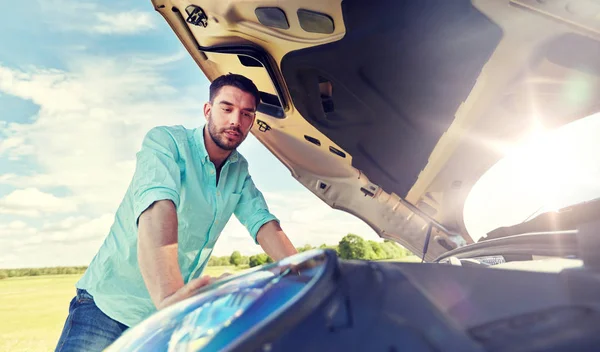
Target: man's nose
x: 235, y: 118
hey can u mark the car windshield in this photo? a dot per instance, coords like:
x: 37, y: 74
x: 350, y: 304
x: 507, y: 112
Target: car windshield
x: 551, y: 170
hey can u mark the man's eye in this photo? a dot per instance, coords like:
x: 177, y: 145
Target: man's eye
x: 226, y: 110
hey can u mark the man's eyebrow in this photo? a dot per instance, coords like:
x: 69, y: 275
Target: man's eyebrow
x: 225, y: 102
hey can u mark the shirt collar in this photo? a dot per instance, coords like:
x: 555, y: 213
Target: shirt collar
x: 199, y: 137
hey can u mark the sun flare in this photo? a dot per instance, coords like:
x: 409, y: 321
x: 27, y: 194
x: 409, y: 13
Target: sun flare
x: 548, y: 170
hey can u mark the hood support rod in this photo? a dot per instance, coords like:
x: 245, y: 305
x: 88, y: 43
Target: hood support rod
x: 427, y: 238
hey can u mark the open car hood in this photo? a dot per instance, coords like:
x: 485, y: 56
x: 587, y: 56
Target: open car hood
x: 387, y: 109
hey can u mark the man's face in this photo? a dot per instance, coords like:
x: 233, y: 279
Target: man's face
x: 230, y: 117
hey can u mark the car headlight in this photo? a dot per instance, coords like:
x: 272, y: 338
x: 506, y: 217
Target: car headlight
x: 227, y: 311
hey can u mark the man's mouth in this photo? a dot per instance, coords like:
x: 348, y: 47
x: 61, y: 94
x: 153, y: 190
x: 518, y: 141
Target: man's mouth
x: 232, y: 134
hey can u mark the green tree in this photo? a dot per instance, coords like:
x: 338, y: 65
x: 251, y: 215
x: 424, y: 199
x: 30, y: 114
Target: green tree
x: 394, y: 250
x: 256, y: 260
x: 219, y: 261
x: 235, y: 258
x: 355, y: 247
x: 332, y: 247
x: 259, y: 259
x: 390, y: 250
x: 212, y: 261
x: 253, y: 261
x: 245, y: 260
x: 378, y: 252
x: 306, y: 247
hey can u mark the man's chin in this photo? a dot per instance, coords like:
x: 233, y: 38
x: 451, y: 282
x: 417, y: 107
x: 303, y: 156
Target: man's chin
x: 226, y: 144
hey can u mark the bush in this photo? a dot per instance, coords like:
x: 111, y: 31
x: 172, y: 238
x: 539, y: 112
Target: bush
x: 378, y: 252
x: 259, y: 259
x: 307, y: 247
x: 235, y: 258
x: 245, y: 260
x: 61, y: 270
x: 355, y: 247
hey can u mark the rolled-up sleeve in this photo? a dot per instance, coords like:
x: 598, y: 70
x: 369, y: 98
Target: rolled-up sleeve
x: 252, y: 210
x: 157, y: 174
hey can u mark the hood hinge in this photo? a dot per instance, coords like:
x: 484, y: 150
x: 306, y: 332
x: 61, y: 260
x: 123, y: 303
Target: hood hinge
x: 196, y: 16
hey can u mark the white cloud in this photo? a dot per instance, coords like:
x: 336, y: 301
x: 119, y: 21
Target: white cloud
x: 5, y: 261
x: 123, y: 23
x: 33, y: 202
x: 11, y: 236
x: 90, y: 124
x: 14, y: 230
x: 17, y: 225
x: 71, y: 241
x: 87, y: 17
x: 83, y: 139
x: 64, y: 224
x: 6, y: 178
x: 75, y: 230
x: 10, y: 143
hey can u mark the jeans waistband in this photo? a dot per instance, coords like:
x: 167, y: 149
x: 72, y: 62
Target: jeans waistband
x: 83, y: 294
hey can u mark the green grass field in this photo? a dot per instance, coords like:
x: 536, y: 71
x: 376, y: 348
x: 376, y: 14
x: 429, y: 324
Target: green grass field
x: 33, y: 309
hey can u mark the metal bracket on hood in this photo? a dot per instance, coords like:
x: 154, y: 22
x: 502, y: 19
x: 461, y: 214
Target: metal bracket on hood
x: 370, y: 190
x: 196, y: 16
x: 262, y: 126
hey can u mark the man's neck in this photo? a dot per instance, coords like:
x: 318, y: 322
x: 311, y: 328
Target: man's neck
x: 215, y: 153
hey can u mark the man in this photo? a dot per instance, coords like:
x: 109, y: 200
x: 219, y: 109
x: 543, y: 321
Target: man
x: 186, y: 185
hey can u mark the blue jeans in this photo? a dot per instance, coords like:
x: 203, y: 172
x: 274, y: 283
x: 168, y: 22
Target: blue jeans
x: 86, y: 327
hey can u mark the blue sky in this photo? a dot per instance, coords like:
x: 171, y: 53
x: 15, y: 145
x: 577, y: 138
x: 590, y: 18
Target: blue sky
x: 82, y: 82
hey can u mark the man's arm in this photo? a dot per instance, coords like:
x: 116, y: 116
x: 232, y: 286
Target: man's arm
x: 157, y: 256
x: 274, y: 241
x: 155, y: 186
x: 252, y: 211
x: 157, y: 250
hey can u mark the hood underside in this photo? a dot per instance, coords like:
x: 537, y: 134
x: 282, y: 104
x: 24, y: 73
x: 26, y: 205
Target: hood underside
x: 386, y: 109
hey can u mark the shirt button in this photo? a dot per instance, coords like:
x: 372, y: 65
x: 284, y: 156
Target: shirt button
x: 218, y: 194
x: 216, y: 222
x: 212, y: 172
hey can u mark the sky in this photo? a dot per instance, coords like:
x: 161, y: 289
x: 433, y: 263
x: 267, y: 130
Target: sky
x: 79, y: 88
x: 81, y: 84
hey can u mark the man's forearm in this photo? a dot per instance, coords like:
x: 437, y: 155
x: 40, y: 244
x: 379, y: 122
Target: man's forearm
x: 157, y: 250
x: 274, y: 241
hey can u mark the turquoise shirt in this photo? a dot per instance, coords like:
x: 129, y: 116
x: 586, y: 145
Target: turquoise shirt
x: 172, y: 164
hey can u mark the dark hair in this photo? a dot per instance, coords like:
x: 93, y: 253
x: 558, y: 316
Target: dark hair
x: 234, y: 80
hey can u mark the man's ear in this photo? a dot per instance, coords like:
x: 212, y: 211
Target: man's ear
x: 207, y: 108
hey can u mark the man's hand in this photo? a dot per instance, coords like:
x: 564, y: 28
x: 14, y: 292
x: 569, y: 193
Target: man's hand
x: 185, y: 291
x: 189, y: 289
x: 222, y: 276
